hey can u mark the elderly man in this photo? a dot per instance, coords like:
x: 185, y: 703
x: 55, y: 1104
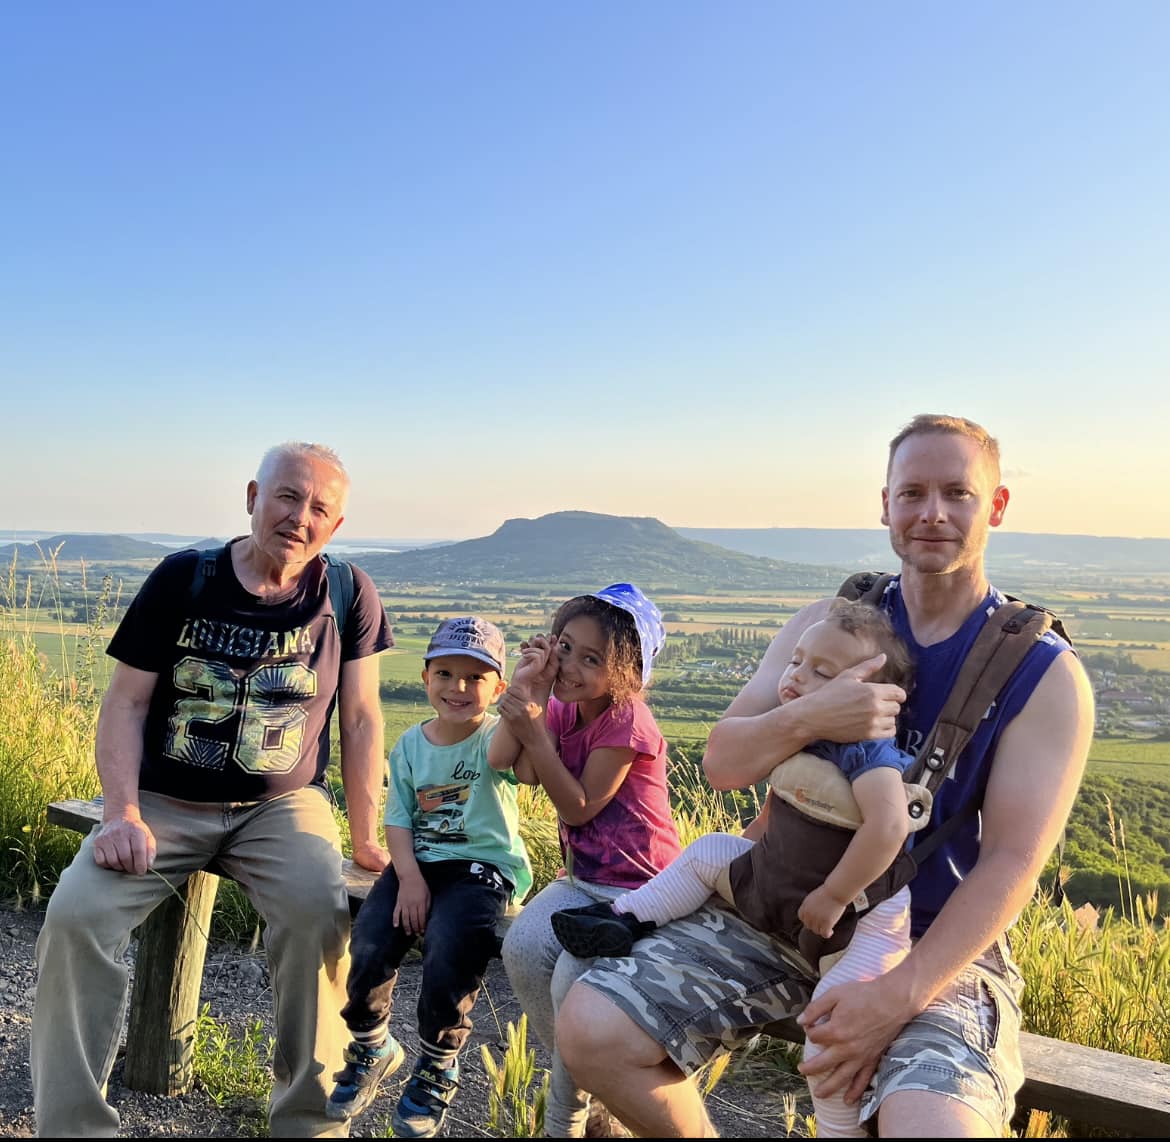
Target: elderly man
x: 212, y: 745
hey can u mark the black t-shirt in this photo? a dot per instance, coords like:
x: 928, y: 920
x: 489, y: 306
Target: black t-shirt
x: 245, y: 690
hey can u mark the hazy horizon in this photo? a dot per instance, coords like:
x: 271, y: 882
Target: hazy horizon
x: 343, y: 539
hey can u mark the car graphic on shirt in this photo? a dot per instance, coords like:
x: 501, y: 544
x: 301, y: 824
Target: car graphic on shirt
x: 444, y: 824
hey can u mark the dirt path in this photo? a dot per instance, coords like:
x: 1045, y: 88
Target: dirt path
x: 747, y: 1103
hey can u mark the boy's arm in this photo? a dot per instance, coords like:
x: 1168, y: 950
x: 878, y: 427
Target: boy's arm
x: 414, y: 898
x: 881, y: 797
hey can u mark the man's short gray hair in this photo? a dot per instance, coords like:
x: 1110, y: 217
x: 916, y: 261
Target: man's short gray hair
x: 296, y: 449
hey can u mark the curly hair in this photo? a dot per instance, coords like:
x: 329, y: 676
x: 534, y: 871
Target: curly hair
x: 623, y: 648
x: 865, y: 621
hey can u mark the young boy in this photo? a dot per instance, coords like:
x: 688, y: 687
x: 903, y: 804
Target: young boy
x: 452, y: 828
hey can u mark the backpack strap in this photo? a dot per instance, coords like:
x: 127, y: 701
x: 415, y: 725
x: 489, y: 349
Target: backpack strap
x: 1011, y: 630
x: 205, y: 568
x: 338, y: 573
x: 341, y: 589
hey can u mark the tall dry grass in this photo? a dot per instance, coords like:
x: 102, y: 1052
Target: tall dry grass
x: 47, y: 720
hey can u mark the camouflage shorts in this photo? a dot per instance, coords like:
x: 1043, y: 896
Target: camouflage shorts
x: 965, y: 1045
x: 702, y: 985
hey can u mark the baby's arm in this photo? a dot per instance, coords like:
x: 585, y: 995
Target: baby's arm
x: 881, y: 797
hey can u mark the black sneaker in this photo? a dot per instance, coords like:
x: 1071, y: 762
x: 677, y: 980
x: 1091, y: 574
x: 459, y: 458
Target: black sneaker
x: 357, y: 1082
x: 597, y: 930
x: 425, y: 1098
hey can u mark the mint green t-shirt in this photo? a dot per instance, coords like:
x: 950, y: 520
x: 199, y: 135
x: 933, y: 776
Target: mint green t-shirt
x: 456, y: 805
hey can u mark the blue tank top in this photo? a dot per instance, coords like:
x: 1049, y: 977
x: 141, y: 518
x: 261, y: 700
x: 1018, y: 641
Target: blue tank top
x: 936, y: 668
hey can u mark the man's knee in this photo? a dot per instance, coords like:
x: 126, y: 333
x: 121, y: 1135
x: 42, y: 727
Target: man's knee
x: 77, y: 906
x: 595, y: 1036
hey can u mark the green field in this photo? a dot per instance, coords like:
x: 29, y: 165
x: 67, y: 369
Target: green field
x: 1146, y: 760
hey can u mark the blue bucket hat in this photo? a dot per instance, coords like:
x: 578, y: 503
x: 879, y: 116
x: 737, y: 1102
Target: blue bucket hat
x: 647, y: 620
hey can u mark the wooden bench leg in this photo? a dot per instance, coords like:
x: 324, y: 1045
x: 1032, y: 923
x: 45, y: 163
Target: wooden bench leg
x: 172, y: 945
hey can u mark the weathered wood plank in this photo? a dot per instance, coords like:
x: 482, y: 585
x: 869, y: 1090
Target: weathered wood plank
x: 1089, y: 1085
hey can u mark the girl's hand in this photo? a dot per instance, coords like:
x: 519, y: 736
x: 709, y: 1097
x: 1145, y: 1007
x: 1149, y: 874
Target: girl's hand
x: 522, y: 716
x: 820, y: 912
x: 538, y: 665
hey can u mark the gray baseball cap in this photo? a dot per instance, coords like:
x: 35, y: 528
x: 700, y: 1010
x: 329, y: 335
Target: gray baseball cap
x: 469, y: 635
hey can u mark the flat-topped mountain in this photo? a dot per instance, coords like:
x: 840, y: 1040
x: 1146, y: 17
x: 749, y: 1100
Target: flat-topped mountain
x: 591, y: 549
x: 92, y: 548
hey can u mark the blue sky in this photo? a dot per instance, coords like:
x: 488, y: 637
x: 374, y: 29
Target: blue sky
x: 697, y: 261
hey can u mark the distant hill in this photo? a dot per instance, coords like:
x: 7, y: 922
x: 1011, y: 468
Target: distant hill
x: 590, y: 549
x: 1006, y: 551
x: 92, y: 548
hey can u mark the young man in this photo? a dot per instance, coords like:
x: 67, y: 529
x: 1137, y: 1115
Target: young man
x: 632, y: 1037
x: 457, y: 859
x: 212, y: 745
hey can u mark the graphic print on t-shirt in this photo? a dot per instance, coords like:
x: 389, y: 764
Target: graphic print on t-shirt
x: 262, y: 707
x: 443, y: 815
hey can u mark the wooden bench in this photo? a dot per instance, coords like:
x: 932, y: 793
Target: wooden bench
x: 1082, y: 1084
x: 172, y: 947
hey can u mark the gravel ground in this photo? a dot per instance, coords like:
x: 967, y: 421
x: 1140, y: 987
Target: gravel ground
x: 748, y: 1102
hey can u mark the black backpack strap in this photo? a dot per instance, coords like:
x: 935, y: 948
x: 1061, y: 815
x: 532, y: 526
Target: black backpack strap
x: 341, y: 588
x: 205, y: 567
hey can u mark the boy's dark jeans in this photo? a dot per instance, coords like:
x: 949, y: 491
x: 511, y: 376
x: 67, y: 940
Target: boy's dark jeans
x: 468, y: 899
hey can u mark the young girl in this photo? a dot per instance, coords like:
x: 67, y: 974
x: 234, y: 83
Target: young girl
x: 573, y: 720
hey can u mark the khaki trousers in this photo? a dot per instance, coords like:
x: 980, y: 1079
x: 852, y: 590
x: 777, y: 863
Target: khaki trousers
x: 285, y: 854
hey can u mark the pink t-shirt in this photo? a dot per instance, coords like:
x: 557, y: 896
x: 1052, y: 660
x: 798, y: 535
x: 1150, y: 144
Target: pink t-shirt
x: 634, y: 836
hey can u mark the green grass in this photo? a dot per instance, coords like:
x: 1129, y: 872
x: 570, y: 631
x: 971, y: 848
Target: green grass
x: 235, y: 1071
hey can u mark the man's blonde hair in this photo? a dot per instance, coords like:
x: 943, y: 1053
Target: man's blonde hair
x: 927, y: 424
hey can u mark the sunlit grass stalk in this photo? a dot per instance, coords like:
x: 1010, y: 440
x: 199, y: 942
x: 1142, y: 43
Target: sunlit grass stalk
x: 517, y: 1097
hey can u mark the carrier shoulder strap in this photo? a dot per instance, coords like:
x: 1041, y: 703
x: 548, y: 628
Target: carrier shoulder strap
x: 338, y: 573
x: 1011, y: 630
